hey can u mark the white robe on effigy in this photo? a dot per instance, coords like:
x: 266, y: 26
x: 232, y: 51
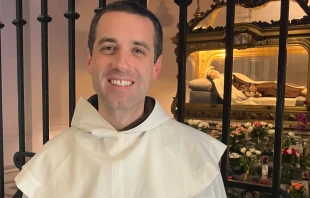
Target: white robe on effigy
x: 160, y: 158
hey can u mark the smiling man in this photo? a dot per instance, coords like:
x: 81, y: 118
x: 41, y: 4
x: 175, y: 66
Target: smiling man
x: 123, y: 63
x: 121, y: 143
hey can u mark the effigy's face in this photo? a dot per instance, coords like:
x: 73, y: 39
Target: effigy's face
x: 214, y: 74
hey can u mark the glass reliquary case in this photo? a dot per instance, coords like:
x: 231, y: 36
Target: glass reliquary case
x: 255, y: 62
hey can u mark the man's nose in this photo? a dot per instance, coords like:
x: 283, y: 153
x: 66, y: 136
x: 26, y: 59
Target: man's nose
x: 121, y: 62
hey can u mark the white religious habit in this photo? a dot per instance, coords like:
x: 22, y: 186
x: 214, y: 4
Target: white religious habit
x: 160, y: 158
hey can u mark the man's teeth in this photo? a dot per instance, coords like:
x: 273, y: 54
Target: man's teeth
x: 121, y: 82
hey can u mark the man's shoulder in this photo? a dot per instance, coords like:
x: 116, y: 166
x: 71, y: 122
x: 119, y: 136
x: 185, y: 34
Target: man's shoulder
x: 56, y: 148
x: 61, y: 138
x: 185, y: 140
x: 37, y: 170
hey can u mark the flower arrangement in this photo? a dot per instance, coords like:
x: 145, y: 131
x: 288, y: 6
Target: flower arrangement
x: 258, y: 131
x: 289, y: 139
x: 296, y: 190
x: 198, y: 124
x: 237, y: 136
x: 260, y: 136
x: 234, y: 161
x: 247, y: 159
x: 290, y: 156
x: 216, y: 134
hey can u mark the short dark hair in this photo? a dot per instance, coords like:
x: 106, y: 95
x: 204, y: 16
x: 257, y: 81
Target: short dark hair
x: 131, y: 8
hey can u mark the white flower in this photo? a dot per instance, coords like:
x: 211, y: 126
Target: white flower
x: 203, y: 125
x: 252, y: 150
x: 248, y: 153
x: 271, y: 131
x: 190, y: 122
x: 258, y: 152
x: 250, y: 129
x: 270, y: 126
x: 263, y: 123
x: 196, y: 122
x: 291, y: 133
x: 247, y: 125
x: 243, y: 150
x: 234, y: 155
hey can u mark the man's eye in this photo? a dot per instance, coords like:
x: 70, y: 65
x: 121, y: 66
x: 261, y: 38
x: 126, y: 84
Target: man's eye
x: 138, y: 51
x: 108, y: 48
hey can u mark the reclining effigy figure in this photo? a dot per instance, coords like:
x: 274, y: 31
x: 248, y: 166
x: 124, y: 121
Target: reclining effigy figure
x: 251, y: 88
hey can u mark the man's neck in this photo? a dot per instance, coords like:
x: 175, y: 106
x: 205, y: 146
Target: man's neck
x: 120, y: 118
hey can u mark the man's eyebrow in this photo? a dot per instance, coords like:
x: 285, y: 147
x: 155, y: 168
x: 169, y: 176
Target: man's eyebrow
x: 106, y: 39
x: 143, y: 44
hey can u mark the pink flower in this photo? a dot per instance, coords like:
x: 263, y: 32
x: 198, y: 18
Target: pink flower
x: 257, y: 124
x: 297, y: 154
x: 289, y: 151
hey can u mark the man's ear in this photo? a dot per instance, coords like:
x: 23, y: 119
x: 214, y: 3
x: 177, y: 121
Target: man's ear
x: 89, y: 62
x: 157, y: 67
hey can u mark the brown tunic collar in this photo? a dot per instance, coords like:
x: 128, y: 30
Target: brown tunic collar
x: 149, y: 105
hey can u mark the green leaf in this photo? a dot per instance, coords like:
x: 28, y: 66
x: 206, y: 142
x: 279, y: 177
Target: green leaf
x: 236, y: 167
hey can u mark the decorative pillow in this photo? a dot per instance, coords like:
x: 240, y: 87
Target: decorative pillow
x: 201, y: 84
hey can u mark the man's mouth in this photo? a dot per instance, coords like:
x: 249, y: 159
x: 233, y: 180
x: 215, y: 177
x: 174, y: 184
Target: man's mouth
x: 121, y: 82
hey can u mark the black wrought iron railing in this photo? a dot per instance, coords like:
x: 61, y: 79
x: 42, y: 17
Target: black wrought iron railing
x: 230, y: 16
x: 44, y: 18
x: 71, y: 15
x: 102, y: 4
x: 19, y: 22
x: 1, y: 125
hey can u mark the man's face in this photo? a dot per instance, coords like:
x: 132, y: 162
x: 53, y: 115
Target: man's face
x: 122, y: 64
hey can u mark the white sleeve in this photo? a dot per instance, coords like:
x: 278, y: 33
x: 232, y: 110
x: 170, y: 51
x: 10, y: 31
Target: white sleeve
x: 215, y: 190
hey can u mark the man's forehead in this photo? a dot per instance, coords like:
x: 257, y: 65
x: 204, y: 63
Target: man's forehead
x: 124, y: 16
x: 120, y: 25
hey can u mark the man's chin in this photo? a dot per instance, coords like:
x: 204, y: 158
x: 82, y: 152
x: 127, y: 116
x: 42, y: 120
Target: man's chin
x: 121, y: 104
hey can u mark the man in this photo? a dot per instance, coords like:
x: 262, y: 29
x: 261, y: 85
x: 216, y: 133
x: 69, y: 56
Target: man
x: 129, y: 147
